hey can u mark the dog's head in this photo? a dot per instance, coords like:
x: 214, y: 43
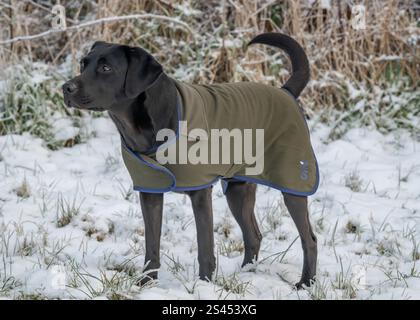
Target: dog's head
x: 110, y: 73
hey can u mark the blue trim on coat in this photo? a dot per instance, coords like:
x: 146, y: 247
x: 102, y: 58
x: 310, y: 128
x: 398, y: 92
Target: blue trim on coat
x: 153, y: 166
x: 225, y: 183
x: 149, y: 190
x: 175, y: 188
x: 203, y: 186
x: 275, y: 186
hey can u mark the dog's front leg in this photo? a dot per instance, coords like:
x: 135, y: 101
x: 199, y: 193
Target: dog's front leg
x: 203, y: 213
x: 152, y: 207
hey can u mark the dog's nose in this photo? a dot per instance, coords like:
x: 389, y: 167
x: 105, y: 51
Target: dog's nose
x: 70, y: 87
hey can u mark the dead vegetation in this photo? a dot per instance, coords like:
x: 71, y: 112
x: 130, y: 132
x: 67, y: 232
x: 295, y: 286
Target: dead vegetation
x: 347, y: 65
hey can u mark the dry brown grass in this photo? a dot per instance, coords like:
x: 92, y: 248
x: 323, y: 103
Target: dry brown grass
x: 339, y: 55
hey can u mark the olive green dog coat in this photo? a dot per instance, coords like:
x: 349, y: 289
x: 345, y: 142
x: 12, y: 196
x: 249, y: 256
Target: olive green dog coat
x: 289, y: 162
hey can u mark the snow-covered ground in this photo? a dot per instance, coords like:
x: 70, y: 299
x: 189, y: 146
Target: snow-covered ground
x: 70, y: 226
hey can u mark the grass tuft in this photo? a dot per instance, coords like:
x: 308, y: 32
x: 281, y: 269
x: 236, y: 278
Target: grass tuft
x: 66, y: 211
x: 23, y: 191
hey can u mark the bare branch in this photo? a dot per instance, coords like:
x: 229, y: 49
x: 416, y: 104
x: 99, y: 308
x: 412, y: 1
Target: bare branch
x: 94, y: 22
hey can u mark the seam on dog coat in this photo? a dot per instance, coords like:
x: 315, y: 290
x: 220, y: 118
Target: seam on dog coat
x: 289, y: 162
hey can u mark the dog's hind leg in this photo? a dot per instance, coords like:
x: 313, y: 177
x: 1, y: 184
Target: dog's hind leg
x: 298, y: 209
x: 203, y: 212
x: 152, y: 207
x: 241, y: 200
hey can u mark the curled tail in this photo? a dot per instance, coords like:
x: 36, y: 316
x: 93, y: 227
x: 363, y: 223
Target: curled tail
x: 300, y: 65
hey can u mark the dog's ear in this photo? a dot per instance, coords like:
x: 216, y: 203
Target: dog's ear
x: 99, y: 44
x: 142, y: 71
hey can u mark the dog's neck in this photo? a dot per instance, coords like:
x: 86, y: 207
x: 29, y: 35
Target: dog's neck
x: 139, y: 119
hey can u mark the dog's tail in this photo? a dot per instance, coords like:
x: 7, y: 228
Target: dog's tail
x: 300, y: 65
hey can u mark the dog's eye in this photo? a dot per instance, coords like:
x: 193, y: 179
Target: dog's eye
x: 105, y: 68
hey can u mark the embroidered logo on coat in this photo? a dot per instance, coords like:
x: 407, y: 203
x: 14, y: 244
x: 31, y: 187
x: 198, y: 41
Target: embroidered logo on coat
x: 304, y: 170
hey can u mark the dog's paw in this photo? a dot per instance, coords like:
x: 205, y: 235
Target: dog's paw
x: 147, y: 279
x: 304, y: 283
x: 299, y: 285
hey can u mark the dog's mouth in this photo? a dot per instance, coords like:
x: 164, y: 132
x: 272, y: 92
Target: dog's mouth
x: 83, y: 104
x: 95, y: 109
x: 85, y: 100
x: 69, y: 103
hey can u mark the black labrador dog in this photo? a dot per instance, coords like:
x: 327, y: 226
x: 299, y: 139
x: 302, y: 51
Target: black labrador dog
x: 141, y: 99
